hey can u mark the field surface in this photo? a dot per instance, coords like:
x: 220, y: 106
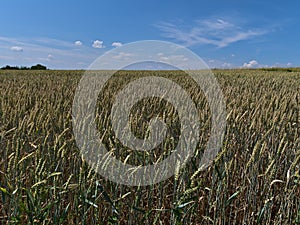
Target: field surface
x: 255, y: 178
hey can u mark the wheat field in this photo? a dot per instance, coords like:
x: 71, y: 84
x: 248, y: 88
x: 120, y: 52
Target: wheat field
x: 255, y: 178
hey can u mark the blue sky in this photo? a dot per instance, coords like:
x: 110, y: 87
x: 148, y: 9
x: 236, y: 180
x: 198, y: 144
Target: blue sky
x: 72, y: 34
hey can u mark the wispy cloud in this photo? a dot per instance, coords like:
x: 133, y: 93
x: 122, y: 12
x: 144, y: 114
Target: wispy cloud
x: 123, y: 56
x: 217, y: 32
x: 51, y: 42
x: 217, y: 63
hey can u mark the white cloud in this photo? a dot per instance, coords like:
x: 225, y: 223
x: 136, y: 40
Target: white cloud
x: 50, y: 56
x: 289, y: 64
x: 16, y: 49
x: 218, y: 32
x: 77, y: 43
x: 98, y: 44
x: 250, y: 64
x: 116, y: 44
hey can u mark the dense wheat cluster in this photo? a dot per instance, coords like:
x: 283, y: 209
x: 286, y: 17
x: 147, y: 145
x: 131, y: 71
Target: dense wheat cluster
x: 255, y: 178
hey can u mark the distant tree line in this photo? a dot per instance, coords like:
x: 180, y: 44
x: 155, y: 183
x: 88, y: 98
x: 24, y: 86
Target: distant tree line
x: 36, y: 67
x: 281, y: 69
